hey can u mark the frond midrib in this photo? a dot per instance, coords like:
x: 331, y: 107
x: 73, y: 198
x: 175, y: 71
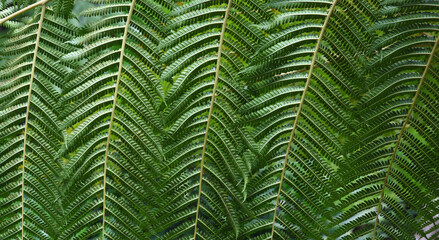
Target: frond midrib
x: 113, y: 110
x: 403, y: 128
x: 218, y: 63
x: 26, y: 122
x: 296, y: 119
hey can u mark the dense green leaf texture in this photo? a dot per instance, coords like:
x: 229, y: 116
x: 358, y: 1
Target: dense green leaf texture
x: 395, y: 180
x: 30, y: 132
x: 113, y: 145
x: 220, y: 119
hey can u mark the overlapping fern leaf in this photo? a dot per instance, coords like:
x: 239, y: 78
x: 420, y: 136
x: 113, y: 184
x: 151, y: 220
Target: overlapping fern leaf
x: 204, y: 183
x: 60, y: 8
x: 392, y: 191
x: 9, y: 6
x: 220, y: 119
x: 30, y: 132
x: 304, y: 78
x: 113, y: 150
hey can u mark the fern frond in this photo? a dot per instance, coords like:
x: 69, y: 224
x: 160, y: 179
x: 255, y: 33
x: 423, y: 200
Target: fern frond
x: 394, y: 163
x: 30, y: 133
x: 303, y: 79
x: 208, y: 47
x: 112, y: 146
x: 223, y: 119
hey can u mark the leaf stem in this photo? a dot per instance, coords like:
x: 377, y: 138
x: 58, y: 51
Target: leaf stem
x: 404, y: 126
x: 42, y: 2
x: 218, y: 62
x: 299, y: 110
x: 26, y: 123
x: 122, y: 51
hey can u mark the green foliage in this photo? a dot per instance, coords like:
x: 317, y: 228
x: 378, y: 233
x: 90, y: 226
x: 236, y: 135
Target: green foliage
x: 220, y: 119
